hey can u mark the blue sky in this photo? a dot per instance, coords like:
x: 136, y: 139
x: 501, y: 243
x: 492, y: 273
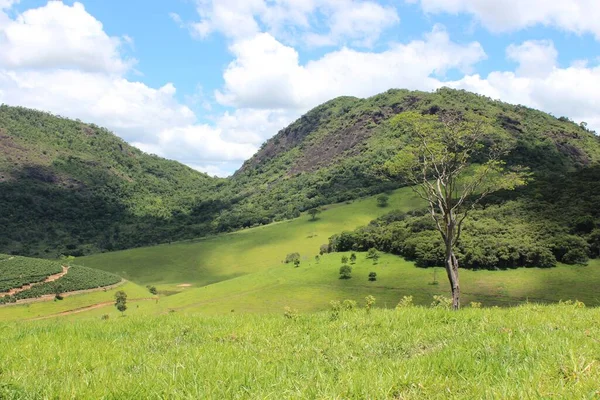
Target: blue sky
x: 206, y: 82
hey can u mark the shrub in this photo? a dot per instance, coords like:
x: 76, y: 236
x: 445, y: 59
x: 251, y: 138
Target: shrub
x: 324, y: 249
x: 290, y: 313
x: 440, y: 301
x: 382, y: 200
x: 336, y: 308
x: 292, y: 257
x: 349, y: 305
x: 372, y: 276
x: 369, y: 302
x: 352, y: 258
x: 345, y: 272
x: 152, y: 290
x: 297, y: 262
x: 372, y: 253
x: 406, y: 301
x: 344, y: 259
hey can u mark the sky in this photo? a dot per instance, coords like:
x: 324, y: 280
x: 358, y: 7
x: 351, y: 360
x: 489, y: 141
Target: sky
x: 206, y: 82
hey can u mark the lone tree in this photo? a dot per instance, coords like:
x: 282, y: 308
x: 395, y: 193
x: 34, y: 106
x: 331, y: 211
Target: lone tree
x: 452, y: 162
x: 121, y: 301
x: 383, y: 200
x: 313, y: 213
x: 345, y: 272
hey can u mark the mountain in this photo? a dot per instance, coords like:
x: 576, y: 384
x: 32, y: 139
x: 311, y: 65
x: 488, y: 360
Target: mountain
x: 72, y: 188
x: 331, y: 153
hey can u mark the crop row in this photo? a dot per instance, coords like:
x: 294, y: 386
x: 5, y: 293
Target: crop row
x: 18, y: 271
x: 78, y: 278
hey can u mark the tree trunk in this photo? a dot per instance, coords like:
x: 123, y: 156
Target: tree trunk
x: 452, y: 271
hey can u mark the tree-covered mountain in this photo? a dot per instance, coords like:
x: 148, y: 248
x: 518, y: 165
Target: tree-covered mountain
x: 71, y: 188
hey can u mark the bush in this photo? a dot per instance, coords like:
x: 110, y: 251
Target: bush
x: 345, y: 272
x: 382, y: 200
x: 372, y: 253
x: 344, y: 259
x: 372, y: 276
x: 369, y: 302
x: 352, y: 258
x: 290, y: 313
x: 152, y: 290
x: 406, y: 301
x: 324, y: 249
x: 349, y: 305
x: 440, y: 301
x: 292, y: 257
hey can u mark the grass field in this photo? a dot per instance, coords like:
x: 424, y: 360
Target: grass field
x: 224, y: 257
x: 527, y: 352
x: 243, y: 272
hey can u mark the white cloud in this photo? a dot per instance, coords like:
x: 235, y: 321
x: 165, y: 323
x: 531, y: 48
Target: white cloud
x: 316, y: 22
x: 60, y: 36
x: 267, y: 74
x: 58, y: 58
x: 573, y: 92
x: 579, y: 16
x: 535, y: 58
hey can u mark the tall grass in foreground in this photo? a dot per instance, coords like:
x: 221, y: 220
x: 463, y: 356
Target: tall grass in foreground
x: 530, y: 351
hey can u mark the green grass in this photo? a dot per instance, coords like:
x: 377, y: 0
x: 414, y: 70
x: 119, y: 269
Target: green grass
x: 223, y: 257
x: 313, y: 285
x: 532, y: 351
x: 14, y: 312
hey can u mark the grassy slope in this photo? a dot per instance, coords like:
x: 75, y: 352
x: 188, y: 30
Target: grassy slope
x: 413, y: 353
x: 248, y: 275
x: 312, y: 286
x: 14, y: 312
x: 227, y: 256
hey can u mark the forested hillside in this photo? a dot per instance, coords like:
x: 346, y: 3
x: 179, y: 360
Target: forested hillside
x: 71, y: 188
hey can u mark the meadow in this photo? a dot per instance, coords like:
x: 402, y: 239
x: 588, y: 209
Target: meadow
x: 243, y: 272
x: 530, y: 351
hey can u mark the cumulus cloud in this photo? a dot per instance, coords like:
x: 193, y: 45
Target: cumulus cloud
x: 58, y: 58
x: 579, y: 16
x: 60, y: 36
x: 536, y: 58
x: 267, y: 74
x: 573, y: 92
x: 317, y: 22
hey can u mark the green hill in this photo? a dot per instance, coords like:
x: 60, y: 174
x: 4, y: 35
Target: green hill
x: 74, y: 188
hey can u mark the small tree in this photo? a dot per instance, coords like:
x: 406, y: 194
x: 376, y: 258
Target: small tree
x: 383, y: 200
x: 370, y: 302
x: 344, y: 259
x: 152, y: 290
x: 58, y: 290
x: 345, y: 272
x: 297, y: 262
x: 324, y: 249
x: 292, y: 257
x: 352, y: 258
x: 372, y: 253
x: 452, y: 161
x: 313, y: 213
x: 121, y: 301
x: 372, y: 276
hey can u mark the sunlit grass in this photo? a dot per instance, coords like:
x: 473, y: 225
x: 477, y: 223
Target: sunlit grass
x: 414, y: 353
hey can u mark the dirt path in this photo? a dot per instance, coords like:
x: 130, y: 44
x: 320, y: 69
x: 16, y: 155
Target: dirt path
x: 51, y: 278
x: 85, y: 308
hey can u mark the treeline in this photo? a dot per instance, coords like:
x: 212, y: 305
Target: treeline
x: 552, y: 220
